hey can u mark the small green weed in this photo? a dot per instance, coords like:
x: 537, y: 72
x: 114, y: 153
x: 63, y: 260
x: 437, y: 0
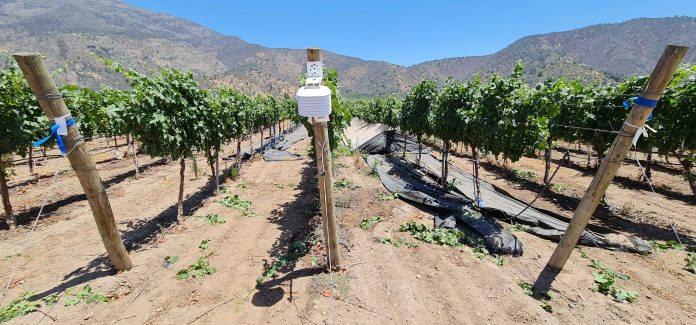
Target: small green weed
x: 397, y: 242
x: 344, y: 183
x: 664, y: 246
x: 452, y: 185
x: 19, y: 307
x: 312, y: 209
x: 51, y: 299
x: 211, y: 218
x: 523, y: 175
x: 341, y: 151
x: 297, y: 249
x: 527, y: 287
x: 373, y: 169
x: 234, y: 173
x: 499, y: 260
x: 478, y: 252
x: 558, y: 188
x: 86, y: 295
x: 369, y: 222
x: 690, y: 262
x: 169, y: 261
x: 544, y: 298
x: 9, y: 257
x: 242, y: 185
x: 439, y: 236
x: 315, y: 261
x: 583, y: 254
x: 606, y: 278
x: 235, y: 201
x: 518, y: 227
x: 386, y: 196
x: 203, y: 245
x: 198, y: 269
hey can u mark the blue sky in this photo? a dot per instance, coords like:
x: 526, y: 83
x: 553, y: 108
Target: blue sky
x: 406, y: 32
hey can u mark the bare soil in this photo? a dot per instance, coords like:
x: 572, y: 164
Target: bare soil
x: 380, y: 283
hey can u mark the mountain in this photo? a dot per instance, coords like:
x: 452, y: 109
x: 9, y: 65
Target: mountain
x: 68, y: 31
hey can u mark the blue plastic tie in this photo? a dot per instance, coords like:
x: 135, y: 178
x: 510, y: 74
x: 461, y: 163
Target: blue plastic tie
x: 479, y: 202
x: 54, y: 133
x: 642, y: 102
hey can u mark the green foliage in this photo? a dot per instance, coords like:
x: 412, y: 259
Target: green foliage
x: 369, y: 222
x: 397, y: 242
x: 606, y: 278
x: 235, y: 201
x: 340, y: 114
x: 527, y: 287
x: 664, y: 246
x: 344, y: 183
x: 478, y: 252
x: 439, y: 236
x: 518, y: 227
x: 198, y: 269
x: 690, y: 262
x: 523, y: 175
x: 211, y: 218
x: 203, y: 245
x: 20, y: 115
x: 415, y: 112
x: 169, y: 260
x: 544, y: 298
x: 19, y: 307
x: 386, y: 196
x: 296, y: 250
x: 558, y: 188
x: 85, y: 295
x: 167, y: 113
x: 51, y: 299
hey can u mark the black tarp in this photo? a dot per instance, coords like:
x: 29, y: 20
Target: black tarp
x: 278, y: 150
x: 390, y: 141
x: 415, y: 187
x: 498, y: 204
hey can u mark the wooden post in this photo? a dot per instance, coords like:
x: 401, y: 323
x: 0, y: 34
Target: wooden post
x: 659, y: 79
x: 325, y: 176
x: 42, y: 84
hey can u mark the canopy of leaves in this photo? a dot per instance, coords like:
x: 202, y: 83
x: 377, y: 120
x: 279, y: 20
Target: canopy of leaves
x: 21, y: 119
x: 167, y: 113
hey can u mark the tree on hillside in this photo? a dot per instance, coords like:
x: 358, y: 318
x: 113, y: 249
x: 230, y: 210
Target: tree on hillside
x: 21, y: 122
x: 237, y: 108
x: 167, y: 114
x: 340, y: 115
x: 674, y: 119
x: 415, y: 111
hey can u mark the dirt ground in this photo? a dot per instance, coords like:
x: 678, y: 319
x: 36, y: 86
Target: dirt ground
x: 380, y: 283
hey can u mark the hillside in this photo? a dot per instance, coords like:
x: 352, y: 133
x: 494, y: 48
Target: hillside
x: 67, y: 31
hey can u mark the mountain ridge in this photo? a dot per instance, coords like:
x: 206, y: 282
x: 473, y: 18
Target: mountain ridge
x: 67, y: 31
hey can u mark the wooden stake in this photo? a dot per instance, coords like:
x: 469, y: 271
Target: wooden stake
x: 42, y: 84
x: 325, y: 176
x: 659, y: 79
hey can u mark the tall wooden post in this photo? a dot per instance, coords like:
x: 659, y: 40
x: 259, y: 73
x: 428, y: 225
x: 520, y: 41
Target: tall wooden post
x: 325, y: 176
x: 659, y: 79
x: 44, y: 88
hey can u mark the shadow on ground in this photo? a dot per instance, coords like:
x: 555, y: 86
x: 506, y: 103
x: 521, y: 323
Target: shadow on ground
x: 292, y: 218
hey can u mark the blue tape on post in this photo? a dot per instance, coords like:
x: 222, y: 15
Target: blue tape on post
x: 642, y: 102
x: 646, y: 102
x: 54, y: 133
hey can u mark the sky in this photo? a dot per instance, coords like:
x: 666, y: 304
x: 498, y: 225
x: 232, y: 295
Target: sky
x: 406, y: 32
